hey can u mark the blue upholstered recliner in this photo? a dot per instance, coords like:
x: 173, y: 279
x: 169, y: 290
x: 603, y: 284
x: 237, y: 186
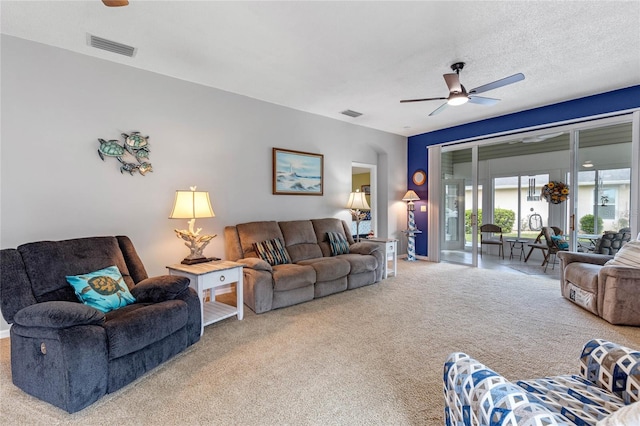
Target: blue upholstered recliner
x: 69, y: 353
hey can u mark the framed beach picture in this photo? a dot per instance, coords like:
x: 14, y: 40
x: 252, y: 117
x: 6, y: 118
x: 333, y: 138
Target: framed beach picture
x: 297, y: 173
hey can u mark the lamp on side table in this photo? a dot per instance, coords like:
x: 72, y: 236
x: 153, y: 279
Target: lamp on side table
x: 357, y: 202
x: 193, y: 205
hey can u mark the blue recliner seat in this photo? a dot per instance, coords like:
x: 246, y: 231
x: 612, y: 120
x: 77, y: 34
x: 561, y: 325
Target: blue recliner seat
x: 69, y: 353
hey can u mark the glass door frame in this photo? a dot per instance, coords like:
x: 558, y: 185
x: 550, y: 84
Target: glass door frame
x: 435, y: 177
x: 474, y: 202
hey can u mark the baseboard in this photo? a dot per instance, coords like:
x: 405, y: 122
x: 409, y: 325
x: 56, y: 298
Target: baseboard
x: 4, y: 334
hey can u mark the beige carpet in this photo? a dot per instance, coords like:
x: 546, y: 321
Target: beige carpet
x: 371, y: 356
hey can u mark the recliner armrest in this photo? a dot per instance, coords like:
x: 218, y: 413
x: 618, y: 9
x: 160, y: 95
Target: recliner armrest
x: 58, y: 315
x: 255, y: 263
x: 364, y: 247
x: 160, y: 288
x: 595, y: 259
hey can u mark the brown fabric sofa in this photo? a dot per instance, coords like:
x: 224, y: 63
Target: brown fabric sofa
x: 313, y: 273
x: 611, y: 292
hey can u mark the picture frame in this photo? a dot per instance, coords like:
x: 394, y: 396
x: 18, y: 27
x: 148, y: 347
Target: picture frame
x: 366, y: 189
x: 297, y: 173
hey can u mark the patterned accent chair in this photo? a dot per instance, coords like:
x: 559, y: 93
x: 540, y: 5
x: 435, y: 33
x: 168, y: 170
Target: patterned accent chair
x: 611, y: 241
x: 609, y: 379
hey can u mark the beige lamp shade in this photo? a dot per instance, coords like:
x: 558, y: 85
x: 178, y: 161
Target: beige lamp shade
x: 410, y: 196
x: 191, y: 205
x: 357, y: 201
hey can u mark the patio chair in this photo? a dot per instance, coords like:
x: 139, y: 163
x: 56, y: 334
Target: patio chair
x: 490, y: 230
x: 543, y: 245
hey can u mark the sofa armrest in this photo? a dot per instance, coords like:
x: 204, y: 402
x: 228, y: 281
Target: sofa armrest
x: 568, y: 257
x: 364, y: 247
x: 160, y: 288
x: 612, y: 367
x: 255, y: 263
x: 467, y: 381
x: 58, y: 315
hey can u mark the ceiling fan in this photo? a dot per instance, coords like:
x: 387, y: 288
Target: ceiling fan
x: 458, y: 95
x: 115, y: 3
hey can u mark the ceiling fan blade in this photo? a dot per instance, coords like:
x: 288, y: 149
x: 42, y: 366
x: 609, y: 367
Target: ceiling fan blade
x: 420, y: 100
x: 115, y: 3
x: 498, y: 83
x: 482, y: 100
x: 439, y: 109
x: 453, y: 82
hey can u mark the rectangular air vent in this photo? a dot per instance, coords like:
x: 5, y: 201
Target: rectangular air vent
x: 351, y: 113
x: 111, y: 46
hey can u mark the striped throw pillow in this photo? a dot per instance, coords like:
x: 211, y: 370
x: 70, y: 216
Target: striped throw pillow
x: 273, y: 252
x: 628, y: 255
x: 338, y: 243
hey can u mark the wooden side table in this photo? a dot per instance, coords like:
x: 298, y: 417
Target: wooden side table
x: 209, y: 276
x: 390, y: 253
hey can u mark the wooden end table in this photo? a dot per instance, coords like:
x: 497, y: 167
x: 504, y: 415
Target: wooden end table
x: 390, y: 253
x: 209, y: 276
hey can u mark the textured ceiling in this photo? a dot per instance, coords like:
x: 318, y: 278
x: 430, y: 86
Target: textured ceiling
x: 325, y: 57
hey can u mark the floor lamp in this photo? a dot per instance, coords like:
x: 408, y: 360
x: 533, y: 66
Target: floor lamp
x: 357, y: 202
x: 411, y: 231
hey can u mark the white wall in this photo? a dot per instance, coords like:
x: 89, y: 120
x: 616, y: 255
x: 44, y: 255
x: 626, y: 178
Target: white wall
x: 56, y: 104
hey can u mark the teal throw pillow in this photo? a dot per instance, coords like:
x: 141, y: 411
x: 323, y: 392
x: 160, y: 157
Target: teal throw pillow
x: 104, y: 290
x: 272, y: 252
x: 338, y: 243
x: 559, y: 242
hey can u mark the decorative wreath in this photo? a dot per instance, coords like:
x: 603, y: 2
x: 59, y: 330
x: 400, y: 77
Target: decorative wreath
x: 555, y: 192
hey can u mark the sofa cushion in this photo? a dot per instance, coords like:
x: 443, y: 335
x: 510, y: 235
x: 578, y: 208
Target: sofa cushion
x: 104, y: 289
x: 322, y: 226
x: 255, y: 232
x: 136, y: 326
x: 300, y: 240
x: 273, y: 252
x: 360, y: 263
x: 292, y: 276
x: 48, y: 263
x: 338, y: 243
x: 628, y: 255
x: 328, y: 268
x: 583, y: 275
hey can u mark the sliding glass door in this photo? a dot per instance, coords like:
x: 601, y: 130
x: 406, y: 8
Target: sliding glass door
x: 603, y: 195
x: 597, y: 161
x: 458, y: 224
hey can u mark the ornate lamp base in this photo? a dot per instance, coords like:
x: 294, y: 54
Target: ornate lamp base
x: 196, y: 243
x: 187, y: 261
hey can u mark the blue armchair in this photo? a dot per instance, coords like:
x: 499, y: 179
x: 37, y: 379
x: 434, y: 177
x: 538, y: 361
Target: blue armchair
x: 69, y: 353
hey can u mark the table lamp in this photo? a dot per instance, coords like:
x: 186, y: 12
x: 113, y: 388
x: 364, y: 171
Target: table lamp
x: 357, y: 202
x: 193, y: 205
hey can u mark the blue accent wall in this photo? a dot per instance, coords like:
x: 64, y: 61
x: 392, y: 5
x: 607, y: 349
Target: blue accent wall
x: 603, y: 103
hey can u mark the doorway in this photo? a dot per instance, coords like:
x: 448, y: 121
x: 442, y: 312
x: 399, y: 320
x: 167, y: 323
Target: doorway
x: 363, y: 179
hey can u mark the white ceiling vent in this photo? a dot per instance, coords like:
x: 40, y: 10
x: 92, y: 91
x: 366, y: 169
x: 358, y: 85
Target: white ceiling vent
x: 110, y: 46
x: 351, y: 113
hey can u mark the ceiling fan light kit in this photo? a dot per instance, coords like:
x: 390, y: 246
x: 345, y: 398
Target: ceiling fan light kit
x: 458, y: 99
x: 458, y: 95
